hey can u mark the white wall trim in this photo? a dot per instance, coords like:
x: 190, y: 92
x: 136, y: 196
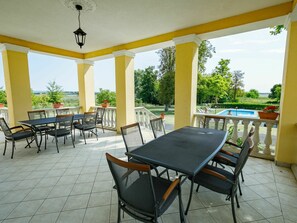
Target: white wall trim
x: 80, y: 61
x: 187, y: 39
x: 11, y: 47
x: 123, y: 53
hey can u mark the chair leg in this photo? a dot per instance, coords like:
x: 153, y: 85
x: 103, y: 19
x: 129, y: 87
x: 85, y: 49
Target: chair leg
x: 5, y: 145
x: 197, y: 188
x: 233, y: 208
x: 72, y: 140
x: 239, y: 187
x: 28, y: 143
x: 119, y: 212
x: 57, y: 145
x: 74, y: 133
x: 102, y: 128
x: 237, y: 203
x: 45, y: 140
x: 84, y: 136
x: 190, y: 198
x: 36, y: 141
x: 13, y: 147
x: 181, y: 208
x: 242, y: 176
x: 96, y: 133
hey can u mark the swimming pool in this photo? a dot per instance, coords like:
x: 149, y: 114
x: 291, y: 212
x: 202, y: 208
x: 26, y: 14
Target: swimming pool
x: 239, y: 112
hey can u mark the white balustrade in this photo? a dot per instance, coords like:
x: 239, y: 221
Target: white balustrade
x: 264, y: 137
x: 4, y: 114
x: 109, y: 120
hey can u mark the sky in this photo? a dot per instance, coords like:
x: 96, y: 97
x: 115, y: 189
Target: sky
x: 258, y: 54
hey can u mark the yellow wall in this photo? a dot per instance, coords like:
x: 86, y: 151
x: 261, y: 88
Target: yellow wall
x: 86, y: 87
x: 17, y: 84
x: 124, y: 70
x: 185, y: 83
x: 287, y: 129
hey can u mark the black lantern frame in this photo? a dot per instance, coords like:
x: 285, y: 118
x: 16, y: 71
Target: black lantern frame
x: 80, y: 35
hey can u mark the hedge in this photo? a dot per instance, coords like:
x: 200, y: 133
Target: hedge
x: 241, y: 106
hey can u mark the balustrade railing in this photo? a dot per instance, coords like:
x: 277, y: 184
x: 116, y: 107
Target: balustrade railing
x: 143, y: 116
x: 264, y: 137
x: 4, y: 114
x: 109, y: 120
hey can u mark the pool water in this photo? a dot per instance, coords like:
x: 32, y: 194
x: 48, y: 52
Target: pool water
x: 239, y: 112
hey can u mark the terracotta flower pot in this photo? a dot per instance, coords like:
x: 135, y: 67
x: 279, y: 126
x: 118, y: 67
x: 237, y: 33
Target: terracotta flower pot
x: 268, y: 115
x: 58, y: 105
x: 162, y: 115
x: 1, y: 105
x: 105, y: 105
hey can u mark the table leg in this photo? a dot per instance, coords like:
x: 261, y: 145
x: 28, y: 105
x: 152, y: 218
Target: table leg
x: 190, y: 197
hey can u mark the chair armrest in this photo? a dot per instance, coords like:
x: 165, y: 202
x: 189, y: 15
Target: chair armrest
x: 170, y: 189
x: 17, y: 127
x: 223, y: 158
x: 228, y: 153
x: 232, y: 144
x: 214, y: 173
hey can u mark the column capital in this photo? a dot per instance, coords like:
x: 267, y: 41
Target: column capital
x: 187, y: 39
x: 80, y: 61
x: 123, y: 53
x: 12, y: 47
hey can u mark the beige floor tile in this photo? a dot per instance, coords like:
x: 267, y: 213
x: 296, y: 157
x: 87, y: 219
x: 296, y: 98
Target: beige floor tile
x: 73, y: 171
x: 74, y: 216
x: 202, y: 214
x: 52, y: 205
x: 67, y: 180
x: 265, y: 190
x: 38, y: 193
x: 27, y: 184
x: 17, y: 220
x: 6, y: 209
x: 102, y: 186
x: 76, y: 202
x: 86, y: 178
x: 48, y: 181
x: 222, y: 213
x: 60, y: 191
x: 247, y: 214
x: 14, y: 196
x: 100, y: 199
x: 265, y: 208
x: 45, y: 218
x: 97, y: 214
x: 26, y: 208
x: 82, y: 188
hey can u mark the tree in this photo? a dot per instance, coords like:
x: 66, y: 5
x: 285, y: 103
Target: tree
x: 277, y: 30
x: 253, y: 93
x: 205, y: 52
x: 237, y: 82
x: 3, y: 99
x: 138, y: 75
x: 55, y: 92
x: 166, y: 90
x: 167, y: 60
x: 148, y: 86
x: 274, y: 91
x: 108, y: 95
x: 223, y: 69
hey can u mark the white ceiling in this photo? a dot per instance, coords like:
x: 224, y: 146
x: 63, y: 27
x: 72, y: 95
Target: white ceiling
x: 114, y: 22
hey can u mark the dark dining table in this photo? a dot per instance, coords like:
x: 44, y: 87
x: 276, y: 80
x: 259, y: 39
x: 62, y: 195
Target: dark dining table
x: 34, y: 123
x: 186, y: 150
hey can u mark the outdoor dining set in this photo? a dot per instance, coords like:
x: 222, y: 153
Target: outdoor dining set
x: 61, y: 126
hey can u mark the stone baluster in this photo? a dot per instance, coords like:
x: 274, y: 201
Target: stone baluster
x: 235, y: 130
x: 216, y: 123
x: 245, y: 128
x: 268, y: 138
x: 256, y: 137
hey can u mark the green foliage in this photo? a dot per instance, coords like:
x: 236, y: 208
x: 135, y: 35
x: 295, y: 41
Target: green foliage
x: 204, y: 53
x: 39, y: 101
x: 106, y: 95
x: 3, y: 98
x: 277, y: 30
x: 241, y: 106
x: 166, y: 90
x: 167, y: 60
x: 253, y: 93
x: 275, y: 92
x: 237, y: 82
x: 54, y: 92
x: 138, y: 75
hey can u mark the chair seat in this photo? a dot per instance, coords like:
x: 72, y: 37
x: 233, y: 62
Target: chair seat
x: 214, y: 183
x: 160, y: 186
x: 84, y: 127
x: 60, y: 132
x: 21, y: 135
x: 44, y: 128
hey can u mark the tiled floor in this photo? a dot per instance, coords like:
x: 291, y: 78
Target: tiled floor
x: 76, y: 186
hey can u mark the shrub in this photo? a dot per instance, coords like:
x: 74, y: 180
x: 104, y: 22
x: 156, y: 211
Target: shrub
x: 106, y: 95
x: 3, y: 99
x: 54, y: 92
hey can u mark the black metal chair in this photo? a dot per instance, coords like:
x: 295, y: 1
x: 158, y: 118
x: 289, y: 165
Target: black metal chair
x: 214, y: 122
x: 132, y: 136
x: 100, y: 116
x: 15, y: 136
x: 63, y: 128
x: 41, y: 129
x: 141, y: 195
x: 223, y: 181
x: 88, y: 124
x: 63, y: 111
x: 231, y: 158
x: 158, y: 127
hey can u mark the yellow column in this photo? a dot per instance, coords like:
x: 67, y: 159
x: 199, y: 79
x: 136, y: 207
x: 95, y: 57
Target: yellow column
x: 85, y: 73
x: 124, y: 71
x: 186, y: 60
x: 286, y: 148
x: 17, y: 82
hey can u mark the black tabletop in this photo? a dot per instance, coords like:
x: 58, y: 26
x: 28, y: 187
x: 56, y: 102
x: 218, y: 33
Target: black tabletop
x: 185, y: 150
x: 44, y: 121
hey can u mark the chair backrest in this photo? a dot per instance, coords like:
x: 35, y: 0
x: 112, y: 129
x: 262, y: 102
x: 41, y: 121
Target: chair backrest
x: 249, y: 136
x: 63, y: 111
x: 36, y: 114
x: 100, y: 115
x: 247, y: 147
x: 5, y: 128
x: 134, y: 184
x: 132, y: 136
x: 64, y: 122
x: 157, y: 127
x: 214, y: 122
x: 89, y: 118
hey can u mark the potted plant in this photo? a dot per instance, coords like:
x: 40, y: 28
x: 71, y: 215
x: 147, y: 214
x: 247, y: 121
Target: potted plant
x: 55, y: 94
x: 162, y: 115
x: 105, y: 103
x: 3, y: 100
x: 268, y: 113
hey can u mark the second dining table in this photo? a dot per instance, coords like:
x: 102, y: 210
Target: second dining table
x: 186, y: 150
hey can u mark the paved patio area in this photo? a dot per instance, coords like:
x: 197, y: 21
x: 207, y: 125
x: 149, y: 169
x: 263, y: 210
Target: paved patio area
x: 75, y: 185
